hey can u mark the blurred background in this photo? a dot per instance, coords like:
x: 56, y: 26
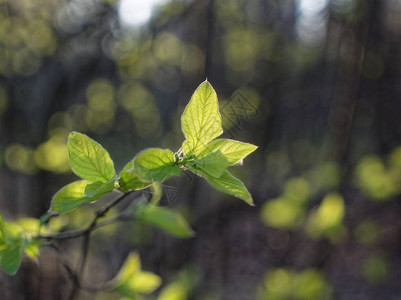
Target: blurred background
x: 316, y: 84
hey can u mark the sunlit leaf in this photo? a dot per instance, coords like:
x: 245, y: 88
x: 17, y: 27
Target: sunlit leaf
x: 98, y: 188
x: 201, y: 120
x: 214, y: 164
x: 69, y: 197
x: 13, y: 230
x: 131, y: 280
x: 174, y: 291
x: 165, y: 219
x: 181, y: 287
x: 144, y: 282
x: 131, y: 266
x: 155, y: 165
x: 234, y: 151
x: 30, y: 225
x: 128, y: 179
x: 32, y: 249
x: 227, y: 183
x: 88, y: 159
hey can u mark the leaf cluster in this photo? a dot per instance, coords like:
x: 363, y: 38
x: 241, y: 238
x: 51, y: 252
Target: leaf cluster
x: 201, y: 153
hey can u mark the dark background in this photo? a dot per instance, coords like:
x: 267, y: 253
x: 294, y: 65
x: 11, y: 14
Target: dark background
x: 315, y: 84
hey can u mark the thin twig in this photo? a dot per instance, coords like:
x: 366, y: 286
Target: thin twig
x: 75, y: 234
x: 77, y: 276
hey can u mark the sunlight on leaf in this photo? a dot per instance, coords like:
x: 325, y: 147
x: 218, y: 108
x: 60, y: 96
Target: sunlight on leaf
x: 155, y: 164
x: 201, y: 120
x: 69, y: 197
x: 98, y: 188
x: 214, y: 164
x: 88, y: 159
x: 131, y: 280
x: 234, y: 151
x: 128, y: 180
x: 228, y: 184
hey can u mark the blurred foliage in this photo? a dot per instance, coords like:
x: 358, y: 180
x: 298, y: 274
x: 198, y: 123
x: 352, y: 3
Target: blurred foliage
x: 281, y: 284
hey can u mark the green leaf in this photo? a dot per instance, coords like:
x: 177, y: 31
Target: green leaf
x: 165, y: 219
x: 132, y: 280
x: 70, y: 196
x: 10, y: 259
x: 234, y: 151
x: 128, y: 179
x: 201, y: 120
x: 229, y: 184
x: 155, y: 164
x: 145, y: 282
x: 98, y: 188
x: 32, y: 249
x: 131, y: 266
x: 88, y: 159
x: 214, y: 164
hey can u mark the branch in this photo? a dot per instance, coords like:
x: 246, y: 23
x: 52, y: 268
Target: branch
x: 94, y: 224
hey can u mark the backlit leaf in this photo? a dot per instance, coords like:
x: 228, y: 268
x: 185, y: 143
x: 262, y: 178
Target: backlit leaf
x: 234, y: 151
x: 70, y: 196
x: 201, y: 120
x: 128, y: 179
x: 227, y: 183
x: 214, y: 164
x: 155, y: 165
x: 98, y: 188
x: 132, y: 280
x: 144, y: 282
x: 88, y: 159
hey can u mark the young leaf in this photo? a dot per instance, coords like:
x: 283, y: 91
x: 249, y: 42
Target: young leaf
x: 144, y: 282
x: 28, y: 225
x: 201, y: 120
x: 32, y: 249
x: 131, y: 266
x: 10, y: 258
x: 70, y: 196
x: 214, y: 164
x: 88, y: 159
x: 234, y: 151
x: 229, y: 184
x: 132, y: 280
x: 98, y: 188
x: 155, y: 164
x: 128, y: 180
x: 165, y: 219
